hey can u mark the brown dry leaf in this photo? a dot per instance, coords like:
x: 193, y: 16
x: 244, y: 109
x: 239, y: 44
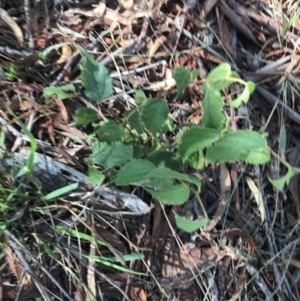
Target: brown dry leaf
x: 13, y: 265
x: 258, y: 198
x: 297, y: 24
x: 91, y: 281
x: 1, y: 289
x: 66, y: 53
x: 207, y: 56
x: 157, y: 220
x: 237, y: 22
x: 165, y: 230
x: 78, y: 296
x: 9, y: 294
x: 225, y: 183
x: 241, y: 282
x: 294, y: 62
x: 99, y: 10
x: 189, y: 294
x: 111, y: 17
x: 69, y: 158
x: 78, y: 290
x: 62, y: 109
x: 30, y: 87
x: 225, y: 35
x: 48, y: 124
x: 57, y: 123
x: 223, y: 275
x: 41, y: 43
x: 30, y: 292
x: 155, y: 46
x: 138, y: 294
x: 178, y: 262
x: 207, y: 7
x: 112, y: 238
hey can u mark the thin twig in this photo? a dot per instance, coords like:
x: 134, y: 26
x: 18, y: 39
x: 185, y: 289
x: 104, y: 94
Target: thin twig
x: 275, y: 100
x: 15, y: 243
x: 28, y: 23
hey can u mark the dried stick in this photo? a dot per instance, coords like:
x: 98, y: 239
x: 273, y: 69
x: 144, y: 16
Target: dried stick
x: 28, y: 23
x: 5, y: 17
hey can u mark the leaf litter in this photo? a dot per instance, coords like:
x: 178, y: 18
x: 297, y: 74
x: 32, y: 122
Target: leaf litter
x: 255, y: 239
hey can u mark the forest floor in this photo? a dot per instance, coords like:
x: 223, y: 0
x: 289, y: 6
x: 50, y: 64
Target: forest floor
x: 87, y: 91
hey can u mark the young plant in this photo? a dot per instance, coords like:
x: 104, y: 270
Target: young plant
x: 134, y: 151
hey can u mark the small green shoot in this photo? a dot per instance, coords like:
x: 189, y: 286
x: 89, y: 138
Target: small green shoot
x: 12, y: 73
x: 95, y: 78
x: 43, y: 54
x: 190, y: 226
x: 95, y: 175
x: 85, y: 116
x: 62, y: 92
x: 183, y: 78
x: 59, y: 192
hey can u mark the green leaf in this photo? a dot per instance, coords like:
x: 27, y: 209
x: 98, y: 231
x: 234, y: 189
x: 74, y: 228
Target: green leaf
x: 244, y: 139
x: 243, y: 145
x: 169, y: 124
x: 61, y: 91
x: 219, y: 78
x: 59, y: 192
x: 134, y: 172
x: 293, y: 19
x: 260, y: 156
x: 190, y: 226
x: 155, y: 114
x: 234, y: 74
x: 48, y: 250
x: 165, y: 157
x: 195, y: 139
x: 158, y: 184
x: 163, y: 172
x: 126, y: 257
x: 138, y: 151
x: 244, y: 96
x: 195, y: 74
x: 107, y: 261
x: 12, y: 73
x: 33, y: 146
x: 251, y: 86
x: 196, y: 160
x: 95, y: 78
x: 95, y: 175
x: 110, y: 131
x: 140, y: 98
x: 43, y: 54
x: 85, y: 116
x: 23, y: 171
x: 221, y: 71
x: 111, y: 155
x: 212, y: 105
x: 2, y: 140
x: 134, y: 119
x: 183, y: 78
x: 172, y: 195
x: 279, y: 183
x: 79, y: 235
